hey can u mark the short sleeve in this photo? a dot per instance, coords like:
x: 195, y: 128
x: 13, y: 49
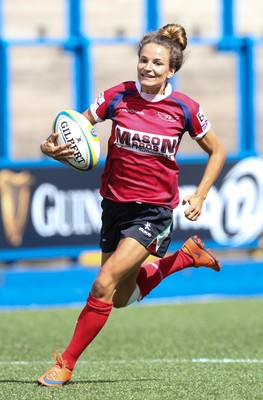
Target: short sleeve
x: 98, y: 108
x: 200, y: 123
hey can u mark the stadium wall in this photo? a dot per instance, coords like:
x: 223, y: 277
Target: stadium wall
x: 59, y: 287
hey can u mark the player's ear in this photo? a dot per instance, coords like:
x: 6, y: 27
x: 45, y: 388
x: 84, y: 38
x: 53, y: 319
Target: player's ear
x: 171, y: 73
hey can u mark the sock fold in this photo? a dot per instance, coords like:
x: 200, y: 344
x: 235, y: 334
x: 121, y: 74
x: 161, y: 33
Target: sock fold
x: 101, y: 307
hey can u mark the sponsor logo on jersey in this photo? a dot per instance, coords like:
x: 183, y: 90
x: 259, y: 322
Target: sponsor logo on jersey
x: 131, y: 111
x: 99, y: 100
x: 167, y: 117
x: 202, y: 119
x: 144, y: 142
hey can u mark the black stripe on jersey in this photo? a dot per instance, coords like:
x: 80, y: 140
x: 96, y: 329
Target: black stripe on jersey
x: 188, y: 125
x: 114, y: 102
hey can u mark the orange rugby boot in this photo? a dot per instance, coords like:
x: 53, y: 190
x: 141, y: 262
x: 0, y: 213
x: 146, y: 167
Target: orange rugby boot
x: 57, y: 375
x: 202, y: 257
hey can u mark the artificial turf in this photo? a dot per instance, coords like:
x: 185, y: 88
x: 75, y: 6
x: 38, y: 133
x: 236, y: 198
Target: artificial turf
x: 187, y: 351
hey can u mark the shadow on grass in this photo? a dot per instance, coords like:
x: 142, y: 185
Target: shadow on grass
x: 79, y: 382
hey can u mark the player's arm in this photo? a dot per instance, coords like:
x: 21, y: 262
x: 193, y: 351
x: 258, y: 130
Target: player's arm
x: 89, y: 116
x: 216, y: 157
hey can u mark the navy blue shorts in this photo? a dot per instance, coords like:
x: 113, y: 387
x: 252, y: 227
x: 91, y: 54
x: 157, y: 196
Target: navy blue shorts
x: 149, y: 224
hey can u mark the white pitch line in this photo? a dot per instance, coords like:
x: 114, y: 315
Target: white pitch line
x: 227, y: 360
x: 150, y: 361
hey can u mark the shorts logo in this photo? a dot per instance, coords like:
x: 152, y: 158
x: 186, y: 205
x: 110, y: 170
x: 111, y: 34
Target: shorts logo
x: 146, y: 229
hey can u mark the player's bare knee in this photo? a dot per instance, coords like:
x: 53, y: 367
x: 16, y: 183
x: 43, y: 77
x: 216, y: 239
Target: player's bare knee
x: 99, y: 289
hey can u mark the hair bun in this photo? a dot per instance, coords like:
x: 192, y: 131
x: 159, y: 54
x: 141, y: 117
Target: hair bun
x: 176, y: 33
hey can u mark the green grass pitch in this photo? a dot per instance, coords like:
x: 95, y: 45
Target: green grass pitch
x: 187, y: 351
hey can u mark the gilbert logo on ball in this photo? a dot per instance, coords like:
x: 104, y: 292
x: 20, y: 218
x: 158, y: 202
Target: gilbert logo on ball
x: 74, y: 128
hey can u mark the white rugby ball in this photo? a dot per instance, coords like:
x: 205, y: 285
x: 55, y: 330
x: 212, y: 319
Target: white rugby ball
x: 74, y: 128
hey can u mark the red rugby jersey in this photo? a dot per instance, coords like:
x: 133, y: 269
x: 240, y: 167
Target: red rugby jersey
x: 145, y: 136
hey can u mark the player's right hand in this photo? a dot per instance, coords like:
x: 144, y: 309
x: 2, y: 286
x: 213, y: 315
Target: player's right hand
x: 50, y: 148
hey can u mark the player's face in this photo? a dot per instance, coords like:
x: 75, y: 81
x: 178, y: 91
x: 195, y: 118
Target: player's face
x: 153, y: 68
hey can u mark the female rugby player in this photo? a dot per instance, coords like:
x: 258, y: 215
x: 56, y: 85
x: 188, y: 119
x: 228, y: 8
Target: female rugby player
x: 140, y: 187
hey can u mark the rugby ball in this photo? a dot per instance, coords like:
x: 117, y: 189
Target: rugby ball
x: 74, y: 128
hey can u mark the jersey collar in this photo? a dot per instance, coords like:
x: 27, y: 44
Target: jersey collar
x: 154, y: 97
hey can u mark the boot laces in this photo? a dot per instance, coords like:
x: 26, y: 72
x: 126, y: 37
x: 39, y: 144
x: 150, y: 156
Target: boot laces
x: 60, y: 363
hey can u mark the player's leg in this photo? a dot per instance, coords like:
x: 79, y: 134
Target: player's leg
x: 94, y: 315
x: 90, y: 321
x: 192, y: 254
x: 113, y: 272
x: 128, y: 291
x: 124, y: 262
x: 153, y: 229
x: 137, y: 285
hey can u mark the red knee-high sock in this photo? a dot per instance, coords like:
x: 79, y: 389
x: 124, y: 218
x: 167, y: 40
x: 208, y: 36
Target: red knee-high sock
x: 91, y: 320
x: 152, y: 274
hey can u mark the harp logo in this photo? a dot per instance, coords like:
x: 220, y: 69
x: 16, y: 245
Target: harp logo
x: 15, y: 191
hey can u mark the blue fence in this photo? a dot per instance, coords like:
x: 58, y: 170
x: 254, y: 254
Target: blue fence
x: 81, y: 46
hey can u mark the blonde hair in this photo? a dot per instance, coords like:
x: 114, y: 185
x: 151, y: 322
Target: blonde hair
x: 171, y: 36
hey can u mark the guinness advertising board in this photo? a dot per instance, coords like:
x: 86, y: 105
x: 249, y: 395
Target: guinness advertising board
x: 46, y: 208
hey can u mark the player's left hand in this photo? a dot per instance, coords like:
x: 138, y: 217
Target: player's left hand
x: 195, y: 203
